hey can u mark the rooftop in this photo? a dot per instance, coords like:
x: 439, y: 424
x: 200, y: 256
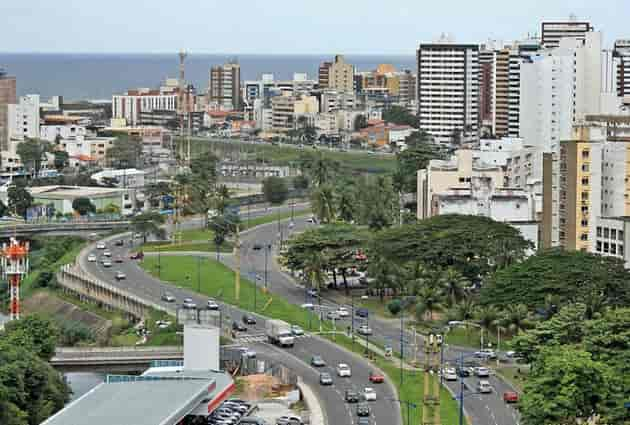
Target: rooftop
x: 155, y: 398
x: 72, y: 192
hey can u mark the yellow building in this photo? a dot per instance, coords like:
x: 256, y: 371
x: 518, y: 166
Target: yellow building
x: 341, y: 75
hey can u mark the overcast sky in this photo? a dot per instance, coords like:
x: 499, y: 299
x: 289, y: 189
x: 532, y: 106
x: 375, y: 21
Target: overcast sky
x: 284, y: 26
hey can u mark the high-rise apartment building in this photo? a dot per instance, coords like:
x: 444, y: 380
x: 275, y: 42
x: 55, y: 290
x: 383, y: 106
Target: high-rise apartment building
x: 501, y: 92
x: 224, y: 88
x: 324, y: 75
x: 341, y: 75
x: 553, y: 32
x: 24, y: 118
x: 448, y: 90
x: 487, y: 64
x: 133, y: 102
x: 621, y: 53
x: 407, y: 87
x: 7, y: 97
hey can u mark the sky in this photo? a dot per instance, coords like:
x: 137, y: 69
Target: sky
x: 284, y: 26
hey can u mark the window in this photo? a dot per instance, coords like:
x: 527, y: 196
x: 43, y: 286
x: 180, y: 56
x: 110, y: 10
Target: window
x: 584, y: 223
x: 606, y: 247
x: 613, y: 248
x: 620, y: 250
x: 606, y: 232
x: 584, y: 237
x: 620, y: 235
x: 584, y: 180
x: 613, y: 234
x: 599, y: 246
x: 599, y: 231
x: 585, y: 167
x: 462, y: 180
x: 585, y: 209
x: 585, y: 196
x: 585, y: 153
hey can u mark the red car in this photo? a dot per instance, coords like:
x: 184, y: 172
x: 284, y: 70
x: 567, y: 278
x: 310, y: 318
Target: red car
x: 510, y: 397
x: 137, y: 255
x: 376, y: 378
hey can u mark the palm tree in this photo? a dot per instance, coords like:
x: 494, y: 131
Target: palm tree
x: 222, y: 195
x: 465, y: 310
x: 430, y: 299
x: 516, y: 318
x: 454, y: 284
x: 321, y: 169
x: 487, y: 316
x: 323, y: 203
x: 347, y: 208
x: 314, y: 270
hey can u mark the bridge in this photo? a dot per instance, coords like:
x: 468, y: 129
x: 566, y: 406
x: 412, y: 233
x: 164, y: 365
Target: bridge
x: 65, y: 228
x: 112, y: 359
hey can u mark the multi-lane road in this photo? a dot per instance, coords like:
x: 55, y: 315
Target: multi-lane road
x: 297, y: 358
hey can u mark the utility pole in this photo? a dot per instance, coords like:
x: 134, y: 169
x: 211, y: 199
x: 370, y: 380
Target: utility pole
x: 431, y: 400
x: 237, y: 257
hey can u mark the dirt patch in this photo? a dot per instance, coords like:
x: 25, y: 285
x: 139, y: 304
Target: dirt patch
x: 44, y: 302
x: 259, y: 387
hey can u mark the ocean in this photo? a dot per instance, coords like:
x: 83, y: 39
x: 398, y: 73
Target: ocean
x: 98, y: 76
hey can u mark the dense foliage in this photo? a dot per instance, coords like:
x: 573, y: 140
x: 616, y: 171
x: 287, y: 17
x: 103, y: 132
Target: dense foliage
x: 125, y: 152
x: 571, y: 276
x: 32, y: 153
x: 83, y: 206
x: 420, y: 150
x: 30, y: 389
x: 275, y: 190
x: 19, y: 198
x: 399, y: 115
x: 472, y: 245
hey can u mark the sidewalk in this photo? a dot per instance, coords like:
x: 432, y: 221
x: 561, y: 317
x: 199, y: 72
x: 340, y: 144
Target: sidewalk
x: 318, y: 416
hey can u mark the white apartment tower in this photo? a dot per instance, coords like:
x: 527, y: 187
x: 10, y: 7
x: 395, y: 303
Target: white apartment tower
x: 553, y: 32
x: 621, y: 53
x: 448, y: 90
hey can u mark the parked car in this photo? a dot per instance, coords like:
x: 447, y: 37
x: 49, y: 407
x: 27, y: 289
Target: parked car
x: 369, y: 394
x: 343, y: 370
x: 510, y: 397
x: 325, y: 378
x: 248, y: 352
x: 189, y: 303
x: 251, y: 420
x: 120, y: 275
x: 248, y: 319
x: 168, y: 298
x: 289, y: 420
x: 91, y: 258
x: 312, y: 292
x: 351, y: 396
x: 238, y: 326
x: 317, y: 361
x: 376, y: 378
x: 363, y: 409
x: 212, y: 305
x: 484, y: 387
x: 308, y: 306
x: 364, y: 421
x: 332, y: 315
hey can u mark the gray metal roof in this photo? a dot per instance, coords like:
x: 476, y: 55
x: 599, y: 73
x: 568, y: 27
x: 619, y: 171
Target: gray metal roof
x: 153, y: 399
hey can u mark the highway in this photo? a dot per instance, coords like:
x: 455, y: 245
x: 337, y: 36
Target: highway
x: 482, y: 409
x: 338, y: 412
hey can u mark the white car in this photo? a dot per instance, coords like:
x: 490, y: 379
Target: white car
x: 450, y: 374
x: 120, y: 275
x: 484, y: 387
x: 342, y: 312
x: 364, y: 330
x: 343, y: 370
x: 107, y: 263
x: 100, y: 245
x: 369, y: 394
x: 486, y: 354
x: 308, y: 306
x: 107, y: 253
x: 189, y: 303
x: 296, y: 330
x: 212, y: 305
x: 92, y: 258
x: 482, y: 372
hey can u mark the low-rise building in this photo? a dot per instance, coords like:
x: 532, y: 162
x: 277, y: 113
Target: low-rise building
x: 91, y: 150
x: 61, y: 197
x: 126, y: 178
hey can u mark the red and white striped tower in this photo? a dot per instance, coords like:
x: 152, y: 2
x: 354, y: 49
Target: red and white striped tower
x: 14, y: 267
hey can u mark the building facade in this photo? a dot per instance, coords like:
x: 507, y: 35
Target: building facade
x: 341, y: 75
x: 8, y: 96
x: 24, y: 118
x: 621, y: 52
x: 129, y: 105
x: 448, y: 90
x: 224, y: 88
x: 553, y: 32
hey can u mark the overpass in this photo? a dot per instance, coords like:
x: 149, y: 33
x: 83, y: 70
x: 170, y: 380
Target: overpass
x: 110, y: 359
x: 71, y: 227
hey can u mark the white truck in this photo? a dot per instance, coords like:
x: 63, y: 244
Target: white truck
x: 279, y: 333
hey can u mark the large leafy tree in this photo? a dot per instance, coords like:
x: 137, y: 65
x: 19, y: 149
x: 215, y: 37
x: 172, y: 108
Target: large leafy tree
x: 399, y: 115
x: 83, y: 206
x: 19, y: 198
x: 454, y: 285
x: 378, y: 202
x: 566, y: 387
x: 472, y: 245
x: 125, y: 152
x: 320, y: 169
x: 275, y: 190
x: 32, y: 153
x: 148, y: 224
x: 571, y: 276
x: 323, y: 203
x: 420, y: 150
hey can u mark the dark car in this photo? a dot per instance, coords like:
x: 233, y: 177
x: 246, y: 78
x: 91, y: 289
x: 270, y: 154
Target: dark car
x: 248, y: 319
x: 257, y: 247
x: 363, y: 409
x: 352, y: 396
x: 137, y: 255
x: 317, y: 361
x: 325, y: 379
x: 119, y: 242
x: 362, y: 312
x: 463, y: 372
x: 237, y: 326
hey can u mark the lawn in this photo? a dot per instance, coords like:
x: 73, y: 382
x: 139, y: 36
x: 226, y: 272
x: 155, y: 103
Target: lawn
x: 209, y: 277
x: 515, y: 375
x: 411, y: 389
x: 186, y: 246
x: 361, y: 162
x: 465, y: 337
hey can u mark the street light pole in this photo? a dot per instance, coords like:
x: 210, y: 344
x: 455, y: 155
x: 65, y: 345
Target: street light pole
x: 198, y: 274
x: 461, y: 391
x: 402, y: 347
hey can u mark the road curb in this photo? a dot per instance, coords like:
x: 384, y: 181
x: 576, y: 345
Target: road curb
x: 317, y: 414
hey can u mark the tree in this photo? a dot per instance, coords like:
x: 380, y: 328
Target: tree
x: 516, y: 318
x: 4, y: 210
x: 222, y: 196
x: 19, y: 198
x: 111, y: 209
x: 37, y: 333
x: 394, y: 307
x: 323, y: 203
x: 61, y: 159
x: 566, y: 386
x: 275, y: 190
x: 384, y: 276
x: 430, y: 299
x: 472, y: 245
x: 487, y: 316
x: 32, y: 153
x: 401, y: 116
x: 320, y: 169
x: 360, y: 122
x: 464, y: 311
x: 416, y: 157
x: 572, y: 276
x: 125, y: 152
x: 148, y: 224
x: 83, y: 206
x: 300, y: 182
x: 347, y: 204
x: 454, y: 285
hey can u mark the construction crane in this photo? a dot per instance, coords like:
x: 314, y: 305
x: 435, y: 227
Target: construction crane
x: 431, y: 397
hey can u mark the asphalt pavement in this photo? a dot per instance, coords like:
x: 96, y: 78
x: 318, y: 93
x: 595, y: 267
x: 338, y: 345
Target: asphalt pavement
x: 338, y: 412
